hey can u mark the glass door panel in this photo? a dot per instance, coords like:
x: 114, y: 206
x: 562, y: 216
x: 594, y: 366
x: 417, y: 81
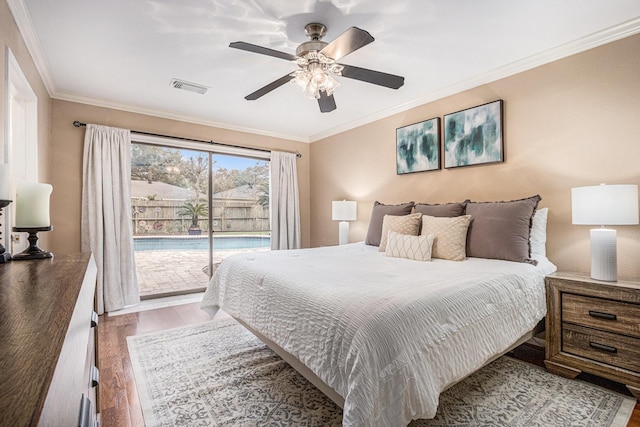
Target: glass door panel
x: 177, y: 244
x: 169, y: 199
x: 240, y: 206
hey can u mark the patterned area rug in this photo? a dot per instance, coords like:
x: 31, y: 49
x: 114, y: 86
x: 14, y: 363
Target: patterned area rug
x: 219, y: 374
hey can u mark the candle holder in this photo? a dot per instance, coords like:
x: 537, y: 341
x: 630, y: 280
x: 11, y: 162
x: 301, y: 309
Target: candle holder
x: 4, y: 256
x: 33, y: 251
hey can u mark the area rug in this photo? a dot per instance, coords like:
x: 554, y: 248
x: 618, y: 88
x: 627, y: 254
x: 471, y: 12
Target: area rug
x: 219, y: 374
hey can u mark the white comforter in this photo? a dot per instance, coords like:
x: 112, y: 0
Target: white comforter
x: 387, y: 334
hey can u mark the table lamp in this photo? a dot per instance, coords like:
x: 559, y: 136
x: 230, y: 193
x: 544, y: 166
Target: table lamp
x: 343, y: 211
x: 604, y: 205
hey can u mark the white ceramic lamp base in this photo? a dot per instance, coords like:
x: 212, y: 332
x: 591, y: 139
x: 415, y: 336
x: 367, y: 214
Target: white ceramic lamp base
x: 604, y: 262
x: 343, y: 236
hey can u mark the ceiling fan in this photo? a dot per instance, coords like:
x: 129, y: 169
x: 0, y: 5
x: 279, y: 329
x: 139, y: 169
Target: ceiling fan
x: 317, y: 66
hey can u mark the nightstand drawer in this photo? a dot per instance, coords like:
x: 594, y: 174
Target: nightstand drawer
x: 605, y: 347
x: 612, y: 316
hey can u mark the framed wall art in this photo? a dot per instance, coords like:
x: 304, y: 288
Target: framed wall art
x: 418, y: 147
x: 474, y: 136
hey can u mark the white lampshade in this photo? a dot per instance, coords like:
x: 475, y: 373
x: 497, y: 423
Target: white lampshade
x: 605, y: 205
x: 344, y: 210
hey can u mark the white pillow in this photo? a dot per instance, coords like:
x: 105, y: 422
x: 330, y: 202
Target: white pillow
x: 410, y: 247
x: 538, y: 236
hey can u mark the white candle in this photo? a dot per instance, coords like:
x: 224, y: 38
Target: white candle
x: 5, y: 182
x: 32, y: 205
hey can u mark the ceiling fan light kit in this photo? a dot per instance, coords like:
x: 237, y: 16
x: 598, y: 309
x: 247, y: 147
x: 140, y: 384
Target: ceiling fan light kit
x: 317, y: 64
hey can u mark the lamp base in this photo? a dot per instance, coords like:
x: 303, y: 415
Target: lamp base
x: 343, y: 236
x: 33, y: 251
x: 604, y: 260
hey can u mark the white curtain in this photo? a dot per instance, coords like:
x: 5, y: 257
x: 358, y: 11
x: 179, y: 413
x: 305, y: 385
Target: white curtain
x: 106, y: 214
x: 285, y: 203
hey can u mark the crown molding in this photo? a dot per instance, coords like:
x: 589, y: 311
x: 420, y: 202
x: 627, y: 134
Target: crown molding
x: 617, y: 32
x: 26, y: 28
x: 594, y: 40
x: 172, y: 116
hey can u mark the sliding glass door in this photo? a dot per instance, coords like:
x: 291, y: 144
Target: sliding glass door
x: 191, y: 209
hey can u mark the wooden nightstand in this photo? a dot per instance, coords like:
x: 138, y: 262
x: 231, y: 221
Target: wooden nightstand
x: 593, y: 326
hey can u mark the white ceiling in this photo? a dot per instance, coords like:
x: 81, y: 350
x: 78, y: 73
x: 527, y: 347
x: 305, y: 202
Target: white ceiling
x: 124, y: 53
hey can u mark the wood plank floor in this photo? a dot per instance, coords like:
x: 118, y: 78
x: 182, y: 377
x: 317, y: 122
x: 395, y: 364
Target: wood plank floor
x: 118, y: 400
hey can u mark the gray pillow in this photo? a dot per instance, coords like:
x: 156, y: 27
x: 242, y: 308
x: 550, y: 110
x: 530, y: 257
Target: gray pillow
x: 443, y: 210
x: 500, y: 230
x: 374, y: 233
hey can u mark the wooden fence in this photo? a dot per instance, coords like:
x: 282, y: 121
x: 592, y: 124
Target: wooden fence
x: 160, y: 217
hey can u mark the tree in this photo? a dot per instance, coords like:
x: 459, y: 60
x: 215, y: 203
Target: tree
x: 152, y: 163
x: 263, y: 200
x: 196, y: 174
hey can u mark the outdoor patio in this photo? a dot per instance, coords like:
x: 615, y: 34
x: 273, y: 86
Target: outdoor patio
x: 163, y: 272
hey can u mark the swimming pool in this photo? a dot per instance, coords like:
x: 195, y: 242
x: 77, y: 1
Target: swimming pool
x: 200, y: 243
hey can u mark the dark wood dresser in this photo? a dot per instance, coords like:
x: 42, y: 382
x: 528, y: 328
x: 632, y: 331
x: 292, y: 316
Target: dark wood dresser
x: 48, y: 375
x: 594, y: 326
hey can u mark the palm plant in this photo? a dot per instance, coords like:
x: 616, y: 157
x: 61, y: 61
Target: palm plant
x: 195, y: 211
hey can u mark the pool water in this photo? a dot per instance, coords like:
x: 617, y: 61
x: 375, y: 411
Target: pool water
x: 220, y: 243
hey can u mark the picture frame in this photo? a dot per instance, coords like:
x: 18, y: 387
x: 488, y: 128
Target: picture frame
x: 418, y: 147
x: 474, y: 136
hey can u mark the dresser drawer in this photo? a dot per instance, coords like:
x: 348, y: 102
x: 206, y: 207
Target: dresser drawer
x: 605, y: 347
x: 607, y: 315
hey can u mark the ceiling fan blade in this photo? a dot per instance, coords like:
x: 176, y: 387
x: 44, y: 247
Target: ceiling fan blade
x: 262, y: 50
x: 349, y: 41
x: 268, y: 88
x: 327, y: 103
x: 370, y: 76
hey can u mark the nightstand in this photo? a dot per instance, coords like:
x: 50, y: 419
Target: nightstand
x: 593, y: 326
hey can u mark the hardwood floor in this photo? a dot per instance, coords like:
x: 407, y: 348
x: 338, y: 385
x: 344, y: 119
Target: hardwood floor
x: 118, y: 401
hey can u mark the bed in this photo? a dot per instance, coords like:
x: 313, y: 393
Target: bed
x: 384, y: 336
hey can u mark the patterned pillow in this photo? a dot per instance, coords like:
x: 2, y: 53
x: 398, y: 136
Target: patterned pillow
x: 450, y: 236
x: 410, y: 247
x: 405, y: 224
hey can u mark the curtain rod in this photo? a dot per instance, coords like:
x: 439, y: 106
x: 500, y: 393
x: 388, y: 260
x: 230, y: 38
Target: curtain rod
x: 78, y: 124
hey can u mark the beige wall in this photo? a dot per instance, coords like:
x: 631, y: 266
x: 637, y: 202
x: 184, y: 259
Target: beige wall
x: 570, y: 123
x: 11, y: 38
x: 66, y: 156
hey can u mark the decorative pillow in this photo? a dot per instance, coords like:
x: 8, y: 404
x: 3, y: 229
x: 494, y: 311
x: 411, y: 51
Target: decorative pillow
x: 406, y: 224
x: 374, y: 233
x: 410, y: 247
x: 501, y: 230
x: 450, y: 236
x: 538, y: 238
x: 445, y: 209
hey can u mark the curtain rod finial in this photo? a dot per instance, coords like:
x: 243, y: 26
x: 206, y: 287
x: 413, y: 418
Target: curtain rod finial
x: 78, y: 124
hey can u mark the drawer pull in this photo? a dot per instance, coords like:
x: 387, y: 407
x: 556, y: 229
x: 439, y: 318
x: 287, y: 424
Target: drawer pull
x: 94, y: 319
x: 600, y: 315
x: 603, y: 347
x: 84, y: 420
x: 95, y: 376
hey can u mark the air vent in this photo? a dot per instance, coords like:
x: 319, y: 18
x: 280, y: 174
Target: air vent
x: 191, y: 87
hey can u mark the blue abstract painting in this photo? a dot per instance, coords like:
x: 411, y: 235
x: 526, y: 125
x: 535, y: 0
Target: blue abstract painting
x: 474, y: 136
x: 418, y: 147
